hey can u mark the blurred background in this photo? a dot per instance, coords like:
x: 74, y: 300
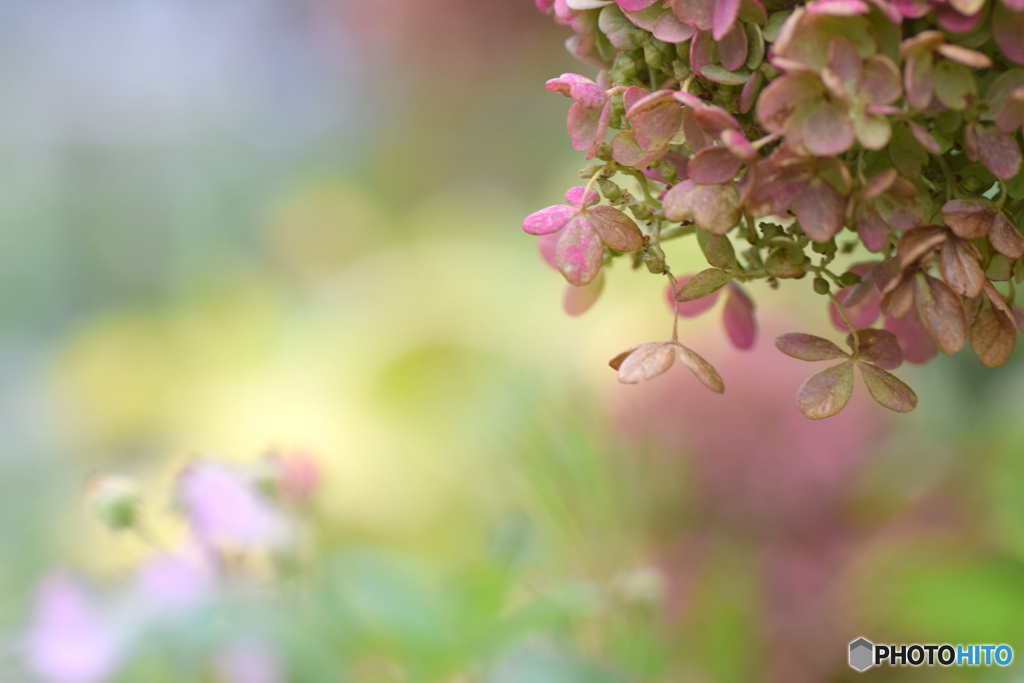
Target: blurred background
x: 240, y: 227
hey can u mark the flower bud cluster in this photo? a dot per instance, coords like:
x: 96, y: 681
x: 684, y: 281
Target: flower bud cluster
x: 784, y: 135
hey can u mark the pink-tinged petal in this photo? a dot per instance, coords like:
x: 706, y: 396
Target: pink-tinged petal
x: 826, y: 393
x: 862, y: 311
x: 738, y: 144
x: 738, y: 317
x: 878, y: 184
x: 871, y: 131
x: 579, y: 253
x: 574, y: 195
x: 1015, y: 5
x: 1005, y: 238
x: 696, y: 13
x: 176, y: 583
x: 625, y: 151
x: 712, y: 207
x: 646, y: 361
x: 887, y: 390
x: 225, y: 509
x: 808, y: 347
x: 913, y: 9
x: 844, y: 62
x: 546, y: 246
x: 965, y: 56
x: 878, y: 347
x: 839, y: 8
x: 724, y: 17
x: 645, y: 18
x: 713, y: 165
x: 696, y: 137
x: 544, y: 5
x: 751, y: 89
x: 824, y: 129
x: 732, y: 48
x: 68, y: 640
x: 702, y: 369
x: 579, y: 300
x: 918, y: 80
x: 941, y: 311
x: 901, y: 206
x: 880, y: 80
x: 999, y: 152
x: 549, y: 220
x: 953, y: 21
x: 633, y: 94
x: 925, y: 138
x: 583, y: 125
x: 918, y: 346
x: 782, y: 97
x: 821, y: 211
x: 634, y: 5
x: 970, y: 142
x: 581, y: 89
x: 602, y: 128
x: 616, y: 229
x: 873, y: 231
x: 690, y: 309
x: 702, y: 50
x: 654, y: 127
x: 669, y: 29
x: 715, y: 120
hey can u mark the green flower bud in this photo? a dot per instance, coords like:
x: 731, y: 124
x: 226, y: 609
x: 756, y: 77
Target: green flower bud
x: 114, y: 499
x: 640, y: 210
x: 849, y: 279
x: 609, y: 189
x: 654, y: 259
x: 821, y: 286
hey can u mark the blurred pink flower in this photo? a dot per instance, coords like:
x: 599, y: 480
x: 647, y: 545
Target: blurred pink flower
x: 737, y: 315
x: 224, y: 508
x: 247, y: 661
x: 298, y: 475
x: 69, y: 639
x: 177, y: 582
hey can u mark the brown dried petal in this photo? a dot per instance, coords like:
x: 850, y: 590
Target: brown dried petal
x: 808, y: 347
x: 704, y: 371
x: 1005, y: 238
x: 941, y: 312
x: 826, y: 393
x: 960, y: 267
x: 993, y: 336
x: 616, y: 229
x: 968, y: 219
x: 879, y: 347
x: 887, y: 390
x: 917, y: 243
x: 647, y: 361
x: 899, y: 298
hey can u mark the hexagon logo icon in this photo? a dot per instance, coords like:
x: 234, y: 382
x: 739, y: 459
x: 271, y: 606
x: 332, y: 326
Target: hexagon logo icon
x: 862, y: 654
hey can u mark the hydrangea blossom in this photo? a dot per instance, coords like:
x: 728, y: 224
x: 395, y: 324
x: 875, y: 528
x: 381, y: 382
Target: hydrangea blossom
x: 786, y: 135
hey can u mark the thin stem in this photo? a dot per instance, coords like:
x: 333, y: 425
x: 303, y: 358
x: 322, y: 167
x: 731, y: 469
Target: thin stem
x: 593, y: 179
x: 846, y: 319
x: 675, y: 309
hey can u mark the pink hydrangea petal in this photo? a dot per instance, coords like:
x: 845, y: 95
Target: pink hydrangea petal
x: 873, y: 231
x: 549, y: 220
x: 713, y: 165
x: 625, y: 151
x: 645, y: 19
x: 696, y: 13
x: 546, y: 246
x: 924, y: 137
x: 839, y: 8
x: 862, y: 314
x: 738, y: 144
x: 696, y: 138
x: 880, y: 80
x: 999, y: 152
x: 821, y: 210
x: 723, y: 18
x: 913, y: 9
x: 844, y: 61
x: 954, y: 21
x: 702, y: 50
x: 632, y: 95
x: 751, y: 89
x: 669, y: 29
x: 68, y: 640
x: 824, y: 128
x: 581, y: 89
x: 918, y: 346
x: 583, y: 124
x: 738, y: 317
x: 918, y: 79
x: 732, y: 48
x: 653, y: 127
x: 777, y: 102
x: 579, y: 253
x: 574, y: 195
x: 689, y: 309
x: 634, y: 5
x: 579, y: 300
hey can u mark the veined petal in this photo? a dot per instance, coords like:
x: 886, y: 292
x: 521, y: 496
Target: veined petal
x: 549, y: 220
x: 579, y: 253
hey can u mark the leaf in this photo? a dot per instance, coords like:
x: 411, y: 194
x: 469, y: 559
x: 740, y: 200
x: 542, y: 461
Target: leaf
x: 718, y: 249
x: 941, y: 312
x: 702, y: 284
x: 647, y: 361
x: 808, y: 347
x: 704, y: 371
x: 690, y: 309
x: 827, y: 392
x: 879, y: 347
x: 616, y: 229
x: 1005, y: 238
x: 960, y: 267
x: 968, y: 219
x: 955, y: 86
x: 888, y: 390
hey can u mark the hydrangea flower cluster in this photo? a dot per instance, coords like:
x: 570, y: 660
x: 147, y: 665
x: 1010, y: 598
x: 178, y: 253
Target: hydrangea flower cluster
x: 789, y: 137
